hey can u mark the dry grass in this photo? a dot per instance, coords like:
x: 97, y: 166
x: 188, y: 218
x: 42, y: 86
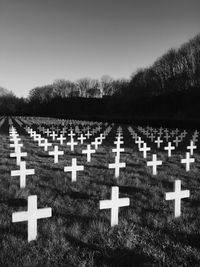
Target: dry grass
x: 79, y: 234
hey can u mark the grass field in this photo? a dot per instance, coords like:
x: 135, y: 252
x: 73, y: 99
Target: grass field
x: 79, y: 233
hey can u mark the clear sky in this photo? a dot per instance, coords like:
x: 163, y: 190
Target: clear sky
x: 44, y: 40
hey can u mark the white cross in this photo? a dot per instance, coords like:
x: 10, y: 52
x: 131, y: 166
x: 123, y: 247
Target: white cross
x: 23, y: 172
x: 36, y: 136
x: 158, y: 142
x: 73, y: 169
x: 114, y: 204
x: 118, y: 142
x: 61, y: 139
x: 144, y: 149
x: 71, y: 135
x: 72, y: 144
x: 32, y: 215
x: 15, y: 139
x: 56, y: 153
x: 139, y: 142
x: 46, y: 144
x: 102, y: 136
x: 16, y: 146
x: 187, y: 161
x: 18, y: 154
x: 47, y: 131
x: 117, y: 165
x: 191, y: 147
x: 88, y: 134
x: 96, y: 143
x: 169, y: 148
x: 53, y: 135
x: 177, y: 195
x: 151, y: 136
x: 40, y: 139
x: 167, y: 136
x: 177, y: 141
x: 118, y: 149
x: 82, y: 138
x: 154, y: 163
x: 88, y: 151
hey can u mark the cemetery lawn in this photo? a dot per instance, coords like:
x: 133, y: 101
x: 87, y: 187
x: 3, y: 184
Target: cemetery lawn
x: 79, y: 233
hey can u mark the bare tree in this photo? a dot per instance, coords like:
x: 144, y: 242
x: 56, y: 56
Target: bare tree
x: 106, y: 85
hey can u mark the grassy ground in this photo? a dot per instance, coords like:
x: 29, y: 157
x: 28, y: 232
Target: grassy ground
x: 78, y: 233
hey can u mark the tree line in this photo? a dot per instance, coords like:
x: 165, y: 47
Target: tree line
x: 170, y: 87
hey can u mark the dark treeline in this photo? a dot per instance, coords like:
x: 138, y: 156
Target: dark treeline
x: 169, y: 89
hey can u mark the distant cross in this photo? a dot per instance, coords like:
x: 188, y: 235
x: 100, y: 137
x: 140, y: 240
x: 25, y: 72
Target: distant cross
x: 151, y: 136
x: 88, y: 134
x: 96, y: 143
x: 22, y: 172
x: 71, y: 134
x: 154, y: 163
x: 16, y: 145
x: 187, y: 161
x: 177, y: 195
x: 15, y: 139
x: 167, y: 137
x: 158, y: 142
x: 88, y: 151
x: 56, y: 153
x: 191, y: 147
x: 40, y: 139
x: 73, y: 169
x: 114, y: 204
x: 18, y: 154
x: 118, y: 149
x: 72, y: 144
x: 61, y: 138
x: 117, y: 166
x: 32, y: 215
x: 47, y: 131
x: 45, y: 144
x: 102, y: 136
x: 144, y: 149
x: 139, y: 142
x: 81, y: 138
x: 64, y: 131
x: 169, y: 149
x: 53, y: 135
x: 177, y: 141
x: 177, y: 130
x: 172, y: 133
